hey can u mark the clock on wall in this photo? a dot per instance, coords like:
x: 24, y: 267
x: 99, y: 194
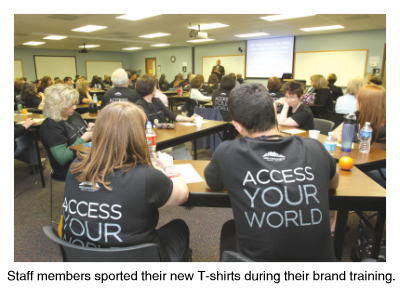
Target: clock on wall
x: 173, y: 58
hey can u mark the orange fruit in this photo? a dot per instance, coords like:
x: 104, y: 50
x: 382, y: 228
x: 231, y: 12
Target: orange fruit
x: 24, y: 111
x: 346, y: 163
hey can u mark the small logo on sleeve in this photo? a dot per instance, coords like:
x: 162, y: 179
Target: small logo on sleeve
x: 273, y: 156
x: 87, y: 186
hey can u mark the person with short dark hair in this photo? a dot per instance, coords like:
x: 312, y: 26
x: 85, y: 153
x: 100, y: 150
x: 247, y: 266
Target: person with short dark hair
x: 239, y: 78
x: 274, y: 88
x: 196, y: 84
x: 134, y: 79
x: 294, y: 112
x: 234, y: 77
x: 68, y: 81
x: 336, y: 92
x: 107, y: 82
x: 278, y: 186
x: 213, y: 82
x: 221, y: 95
x: 376, y: 80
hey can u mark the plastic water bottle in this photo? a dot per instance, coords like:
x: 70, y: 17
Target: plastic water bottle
x: 365, y: 135
x: 330, y: 143
x: 151, y: 139
x: 94, y: 98
x: 349, y: 127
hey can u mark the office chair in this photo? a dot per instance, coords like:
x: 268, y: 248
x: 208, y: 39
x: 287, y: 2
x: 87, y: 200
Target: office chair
x: 324, y: 126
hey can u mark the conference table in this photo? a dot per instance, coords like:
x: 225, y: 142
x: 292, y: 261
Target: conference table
x: 18, y: 117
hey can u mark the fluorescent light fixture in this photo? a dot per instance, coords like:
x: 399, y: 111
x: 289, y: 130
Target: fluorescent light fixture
x: 89, y: 28
x: 34, y: 43
x: 252, y: 34
x: 285, y: 16
x: 208, y: 26
x: 132, y: 48
x: 137, y: 16
x: 89, y: 46
x: 161, y: 44
x: 157, y: 34
x: 201, y: 40
x: 322, y: 28
x: 55, y: 37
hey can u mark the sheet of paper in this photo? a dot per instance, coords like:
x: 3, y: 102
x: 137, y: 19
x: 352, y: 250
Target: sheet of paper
x: 36, y: 120
x: 293, y: 131
x: 339, y: 144
x: 188, y: 124
x: 23, y: 114
x: 188, y: 173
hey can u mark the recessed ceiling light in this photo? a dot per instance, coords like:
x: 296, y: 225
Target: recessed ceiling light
x: 252, y: 34
x: 89, y: 46
x: 34, y: 43
x: 136, y: 16
x: 208, y: 26
x: 285, y: 16
x: 322, y: 28
x: 201, y: 40
x: 55, y: 37
x: 161, y: 44
x: 158, y: 34
x: 132, y: 48
x: 89, y: 28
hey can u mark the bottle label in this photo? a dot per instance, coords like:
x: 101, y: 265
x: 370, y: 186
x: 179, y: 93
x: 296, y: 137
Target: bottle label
x: 151, y: 140
x: 366, y: 134
x: 330, y: 146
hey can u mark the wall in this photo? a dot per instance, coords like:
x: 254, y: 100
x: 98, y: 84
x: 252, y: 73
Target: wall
x: 26, y: 55
x: 163, y: 56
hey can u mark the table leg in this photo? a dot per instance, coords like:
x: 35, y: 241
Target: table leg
x: 195, y: 149
x: 35, y: 138
x: 340, y: 231
x: 376, y: 242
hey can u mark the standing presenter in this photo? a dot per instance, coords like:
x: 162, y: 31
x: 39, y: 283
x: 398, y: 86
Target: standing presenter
x: 219, y: 70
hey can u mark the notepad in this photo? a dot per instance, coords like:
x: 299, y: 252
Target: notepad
x: 188, y: 173
x: 36, y: 120
x: 293, y: 131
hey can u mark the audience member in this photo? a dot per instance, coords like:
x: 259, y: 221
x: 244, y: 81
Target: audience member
x: 376, y: 80
x: 347, y: 103
x: 274, y: 88
x: 294, y: 112
x: 213, y: 82
x: 237, y: 84
x: 163, y: 83
x: 17, y: 91
x: 68, y: 81
x: 83, y: 89
x: 46, y: 81
x: 30, y: 96
x: 178, y: 80
x: 336, y: 92
x: 239, y: 78
x: 160, y: 95
x: 221, y: 95
x: 96, y: 83
x: 125, y: 179
x: 205, y: 90
x: 278, y: 186
x: 107, y: 82
x: 37, y: 83
x: 322, y: 95
x: 195, y: 85
x: 134, y: 79
x: 58, y: 81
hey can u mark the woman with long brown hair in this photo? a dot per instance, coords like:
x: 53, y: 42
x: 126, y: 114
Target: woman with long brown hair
x: 178, y: 80
x: 46, y: 81
x: 112, y: 194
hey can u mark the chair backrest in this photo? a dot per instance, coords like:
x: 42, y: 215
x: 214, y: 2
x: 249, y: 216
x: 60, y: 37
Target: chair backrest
x: 324, y: 126
x: 230, y: 256
x: 74, y: 253
x: 336, y: 118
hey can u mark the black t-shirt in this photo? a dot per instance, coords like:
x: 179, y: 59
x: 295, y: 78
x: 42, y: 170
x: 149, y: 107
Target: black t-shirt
x: 206, y: 91
x: 32, y: 102
x: 40, y: 90
x: 324, y: 97
x: 54, y: 133
x: 303, y: 116
x: 125, y: 216
x: 156, y: 110
x: 119, y: 94
x: 81, y: 97
x: 279, y: 195
x: 220, y: 102
x: 336, y: 92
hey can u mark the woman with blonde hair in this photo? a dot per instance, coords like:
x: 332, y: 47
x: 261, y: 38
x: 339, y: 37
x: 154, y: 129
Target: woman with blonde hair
x: 116, y: 193
x: 83, y: 89
x: 322, y: 95
x: 347, y: 103
x: 62, y: 128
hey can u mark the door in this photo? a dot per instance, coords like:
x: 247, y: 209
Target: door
x: 151, y: 66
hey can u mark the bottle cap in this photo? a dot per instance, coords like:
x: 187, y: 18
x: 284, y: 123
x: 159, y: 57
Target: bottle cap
x: 148, y: 125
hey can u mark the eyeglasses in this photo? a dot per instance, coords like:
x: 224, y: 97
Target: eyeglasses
x: 73, y: 104
x: 291, y: 97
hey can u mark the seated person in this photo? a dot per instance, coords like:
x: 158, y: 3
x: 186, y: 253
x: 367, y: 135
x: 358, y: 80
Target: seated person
x: 188, y: 87
x: 376, y: 80
x: 178, y: 81
x: 221, y: 95
x: 37, y: 83
x: 237, y: 84
x: 59, y: 81
x: 96, y: 83
x: 45, y: 82
x: 274, y: 88
x: 163, y: 83
x: 134, y: 79
x: 347, y: 103
x: 30, y: 96
x: 278, y: 186
x: 213, y: 81
x: 239, y: 78
x: 186, y: 81
x: 120, y: 92
x: 160, y: 95
x: 83, y: 90
x: 107, y: 82
x: 68, y: 82
x: 156, y: 110
x: 195, y: 94
x: 17, y: 92
x: 205, y: 90
x: 294, y: 112
x: 336, y: 92
x: 62, y: 128
x: 322, y: 95
x: 125, y: 188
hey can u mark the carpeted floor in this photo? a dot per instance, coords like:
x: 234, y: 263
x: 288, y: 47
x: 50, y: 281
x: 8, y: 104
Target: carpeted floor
x: 31, y: 213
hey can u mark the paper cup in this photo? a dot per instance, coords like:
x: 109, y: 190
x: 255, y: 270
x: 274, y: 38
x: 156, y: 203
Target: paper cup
x: 314, y: 134
x: 199, y: 121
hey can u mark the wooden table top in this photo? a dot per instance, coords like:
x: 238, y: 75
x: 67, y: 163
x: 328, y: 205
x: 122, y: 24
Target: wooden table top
x: 82, y: 106
x: 96, y: 91
x: 90, y: 116
x: 22, y: 117
x: 351, y: 183
x: 176, y: 96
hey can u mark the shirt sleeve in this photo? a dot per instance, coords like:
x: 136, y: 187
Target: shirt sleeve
x: 167, y: 112
x: 62, y: 153
x: 158, y: 187
x: 212, y: 173
x: 301, y: 117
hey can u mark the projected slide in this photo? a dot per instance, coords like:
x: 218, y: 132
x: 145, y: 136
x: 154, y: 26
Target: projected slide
x: 269, y: 57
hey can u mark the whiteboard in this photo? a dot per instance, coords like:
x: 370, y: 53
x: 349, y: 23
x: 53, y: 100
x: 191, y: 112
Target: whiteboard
x: 346, y: 64
x: 101, y: 68
x: 232, y: 64
x: 55, y: 66
x: 18, y: 70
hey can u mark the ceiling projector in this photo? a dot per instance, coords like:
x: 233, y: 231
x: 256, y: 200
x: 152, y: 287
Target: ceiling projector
x: 198, y: 35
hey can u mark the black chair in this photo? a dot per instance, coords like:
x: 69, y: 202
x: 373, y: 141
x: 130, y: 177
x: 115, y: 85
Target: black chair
x: 336, y: 118
x: 324, y: 126
x: 55, y: 178
x: 74, y: 253
x: 230, y: 256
